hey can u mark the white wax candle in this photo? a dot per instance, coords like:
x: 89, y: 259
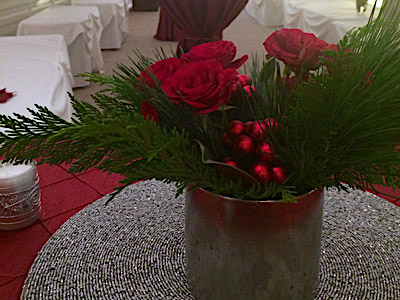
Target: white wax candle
x: 9, y: 170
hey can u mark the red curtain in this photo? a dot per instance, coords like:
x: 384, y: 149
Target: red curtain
x: 201, y: 20
x: 167, y: 30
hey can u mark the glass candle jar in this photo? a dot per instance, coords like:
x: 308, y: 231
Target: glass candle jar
x: 19, y: 196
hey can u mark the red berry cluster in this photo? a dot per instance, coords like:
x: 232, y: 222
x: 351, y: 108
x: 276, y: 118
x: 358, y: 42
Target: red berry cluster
x: 251, y: 150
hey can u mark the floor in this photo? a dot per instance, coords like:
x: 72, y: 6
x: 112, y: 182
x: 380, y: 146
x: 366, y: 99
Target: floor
x: 64, y: 194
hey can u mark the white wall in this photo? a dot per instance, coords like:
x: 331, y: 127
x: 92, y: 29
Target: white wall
x: 13, y: 11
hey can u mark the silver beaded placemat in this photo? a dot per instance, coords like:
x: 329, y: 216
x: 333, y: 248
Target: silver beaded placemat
x: 133, y: 249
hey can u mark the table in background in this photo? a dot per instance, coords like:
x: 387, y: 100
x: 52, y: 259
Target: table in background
x: 113, y: 16
x: 129, y: 4
x: 51, y: 48
x: 266, y: 12
x: 328, y: 20
x: 81, y: 28
x: 37, y: 69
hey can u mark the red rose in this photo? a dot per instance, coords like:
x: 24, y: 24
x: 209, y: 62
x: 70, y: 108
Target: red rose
x: 149, y: 112
x: 160, y: 70
x: 221, y: 51
x: 203, y: 85
x: 296, y: 48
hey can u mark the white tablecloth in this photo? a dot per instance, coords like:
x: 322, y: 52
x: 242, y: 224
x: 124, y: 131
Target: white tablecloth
x: 113, y: 15
x: 34, y: 81
x: 266, y: 12
x: 51, y: 48
x: 129, y: 4
x: 327, y: 19
x: 78, y: 25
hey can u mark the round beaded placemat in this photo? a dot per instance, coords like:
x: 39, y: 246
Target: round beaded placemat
x: 133, y: 249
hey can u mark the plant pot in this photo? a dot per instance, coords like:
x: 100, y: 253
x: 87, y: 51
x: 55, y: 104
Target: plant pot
x: 252, y: 250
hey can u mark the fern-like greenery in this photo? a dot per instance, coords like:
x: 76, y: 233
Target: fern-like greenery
x: 341, y: 126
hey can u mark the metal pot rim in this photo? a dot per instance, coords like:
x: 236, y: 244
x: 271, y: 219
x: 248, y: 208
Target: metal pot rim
x: 255, y: 201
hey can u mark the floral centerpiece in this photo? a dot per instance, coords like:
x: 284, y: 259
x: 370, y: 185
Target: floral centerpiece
x: 327, y: 117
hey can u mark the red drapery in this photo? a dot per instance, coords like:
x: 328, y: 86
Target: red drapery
x: 201, y: 20
x: 167, y: 30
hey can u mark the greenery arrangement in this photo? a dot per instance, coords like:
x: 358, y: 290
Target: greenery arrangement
x: 330, y: 116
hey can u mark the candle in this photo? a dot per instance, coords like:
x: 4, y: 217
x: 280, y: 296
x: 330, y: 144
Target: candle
x: 19, y: 195
x: 9, y: 170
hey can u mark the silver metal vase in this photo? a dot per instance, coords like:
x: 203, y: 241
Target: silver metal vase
x: 252, y: 250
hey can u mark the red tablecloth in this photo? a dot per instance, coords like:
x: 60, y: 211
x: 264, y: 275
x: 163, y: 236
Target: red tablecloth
x: 167, y: 30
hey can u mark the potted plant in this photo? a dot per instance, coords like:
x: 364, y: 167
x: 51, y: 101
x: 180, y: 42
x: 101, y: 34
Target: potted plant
x: 253, y: 151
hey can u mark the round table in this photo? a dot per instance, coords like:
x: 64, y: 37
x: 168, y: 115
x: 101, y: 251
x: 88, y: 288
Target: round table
x: 133, y: 248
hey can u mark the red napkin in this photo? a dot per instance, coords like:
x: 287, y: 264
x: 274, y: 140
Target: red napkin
x: 4, y: 95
